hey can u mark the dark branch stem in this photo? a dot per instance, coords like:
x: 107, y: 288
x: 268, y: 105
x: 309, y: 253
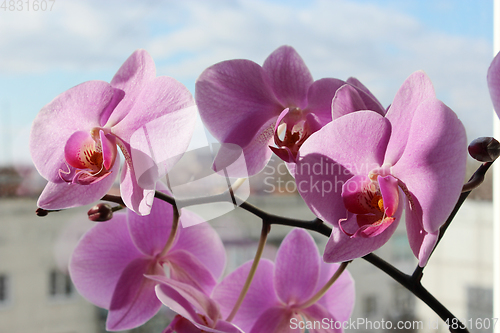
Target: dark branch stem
x: 114, y: 198
x: 418, y: 290
x: 410, y: 282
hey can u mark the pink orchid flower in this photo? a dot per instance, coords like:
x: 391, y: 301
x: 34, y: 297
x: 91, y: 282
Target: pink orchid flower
x: 74, y: 138
x: 276, y: 298
x: 110, y: 261
x: 493, y: 79
x: 244, y: 104
x: 361, y: 170
x: 197, y: 312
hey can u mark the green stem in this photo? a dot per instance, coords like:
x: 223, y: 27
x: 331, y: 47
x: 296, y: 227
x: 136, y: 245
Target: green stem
x: 173, y: 232
x: 316, y: 297
x: 262, y: 242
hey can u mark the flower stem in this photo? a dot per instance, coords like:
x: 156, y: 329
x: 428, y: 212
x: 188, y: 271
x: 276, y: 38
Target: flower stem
x: 316, y: 297
x: 407, y: 281
x: 173, y: 232
x: 266, y: 227
x: 238, y: 183
x: 415, y: 287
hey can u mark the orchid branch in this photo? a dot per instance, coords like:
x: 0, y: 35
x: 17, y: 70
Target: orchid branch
x: 410, y: 282
x: 317, y: 225
x: 415, y: 286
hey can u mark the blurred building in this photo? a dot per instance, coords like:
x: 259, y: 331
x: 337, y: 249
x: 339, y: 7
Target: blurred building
x: 36, y: 295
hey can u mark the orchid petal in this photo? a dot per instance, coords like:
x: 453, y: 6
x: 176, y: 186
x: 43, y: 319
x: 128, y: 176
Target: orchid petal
x: 417, y: 88
x: 135, y: 198
x: 432, y: 166
x: 175, y: 301
x: 65, y: 195
x: 100, y: 258
x: 185, y: 267
x: 227, y: 327
x: 428, y: 244
x: 134, y: 74
x: 289, y: 76
x: 320, y: 96
x: 351, y: 145
x: 372, y: 225
x: 368, y: 97
x: 339, y: 299
x: 282, y: 115
x: 347, y: 99
x: 77, y: 109
x: 235, y: 101
x: 158, y: 129
x: 185, y: 326
x: 190, y: 299
x: 312, y: 123
x: 284, y: 153
x: 203, y: 242
x: 493, y: 79
x: 181, y: 324
x: 256, y: 154
x: 258, y: 299
x: 357, y: 141
x: 109, y: 151
x: 134, y: 300
x: 421, y: 242
x: 297, y: 267
x: 316, y: 313
x: 150, y: 233
x: 390, y: 193
x: 275, y: 319
x: 350, y: 99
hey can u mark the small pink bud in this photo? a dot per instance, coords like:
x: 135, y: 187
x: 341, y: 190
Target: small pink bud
x: 100, y: 213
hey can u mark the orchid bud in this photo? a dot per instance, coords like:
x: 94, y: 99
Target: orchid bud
x: 484, y: 149
x: 41, y: 212
x: 100, y: 213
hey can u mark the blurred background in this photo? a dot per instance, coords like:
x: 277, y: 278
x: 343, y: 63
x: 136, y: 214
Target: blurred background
x: 381, y: 42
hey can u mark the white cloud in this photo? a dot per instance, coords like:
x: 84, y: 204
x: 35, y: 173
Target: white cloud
x: 380, y: 46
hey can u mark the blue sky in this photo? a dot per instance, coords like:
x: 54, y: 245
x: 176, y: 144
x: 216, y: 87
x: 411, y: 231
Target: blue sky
x: 380, y: 42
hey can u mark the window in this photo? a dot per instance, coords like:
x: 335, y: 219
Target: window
x: 60, y: 285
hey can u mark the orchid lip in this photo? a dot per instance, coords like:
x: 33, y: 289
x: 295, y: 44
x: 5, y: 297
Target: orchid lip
x: 92, y: 154
x: 298, y: 126
x: 373, y: 200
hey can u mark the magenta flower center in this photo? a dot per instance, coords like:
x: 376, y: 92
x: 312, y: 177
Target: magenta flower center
x: 92, y: 154
x: 299, y: 125
x: 373, y: 200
